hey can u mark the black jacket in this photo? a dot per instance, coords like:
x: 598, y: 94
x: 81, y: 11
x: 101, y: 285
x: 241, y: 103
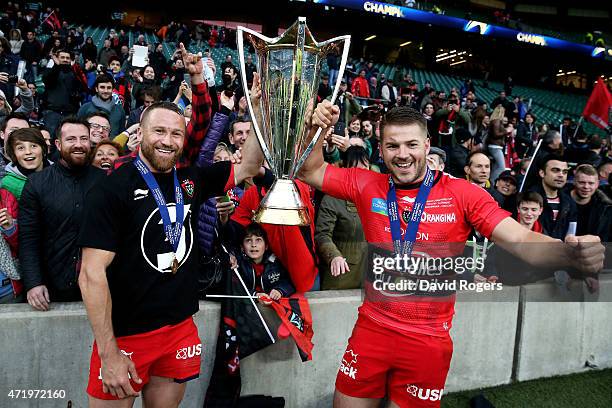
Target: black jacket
x: 600, y: 217
x: 274, y: 276
x: 62, y: 89
x: 50, y: 215
x: 568, y: 212
x: 457, y: 161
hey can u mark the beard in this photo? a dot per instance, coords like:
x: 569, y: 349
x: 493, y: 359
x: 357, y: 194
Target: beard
x: 159, y: 162
x: 75, y: 160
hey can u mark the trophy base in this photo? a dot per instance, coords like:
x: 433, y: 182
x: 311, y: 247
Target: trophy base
x: 282, y: 206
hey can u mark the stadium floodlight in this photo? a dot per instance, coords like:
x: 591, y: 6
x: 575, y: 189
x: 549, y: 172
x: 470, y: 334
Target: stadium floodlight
x: 370, y: 37
x: 457, y: 63
x: 406, y: 43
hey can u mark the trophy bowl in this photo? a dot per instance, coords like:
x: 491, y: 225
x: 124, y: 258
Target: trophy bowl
x: 289, y: 67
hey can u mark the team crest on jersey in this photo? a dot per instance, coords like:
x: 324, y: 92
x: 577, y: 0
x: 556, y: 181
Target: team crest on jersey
x: 406, y: 215
x: 188, y: 187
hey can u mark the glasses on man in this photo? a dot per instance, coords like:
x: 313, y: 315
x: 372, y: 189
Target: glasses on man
x: 98, y: 127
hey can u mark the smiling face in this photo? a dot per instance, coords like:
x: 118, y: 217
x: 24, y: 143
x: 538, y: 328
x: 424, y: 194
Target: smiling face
x: 506, y: 187
x: 254, y: 247
x: 105, y: 157
x: 73, y: 144
x: 355, y: 126
x: 99, y: 129
x: 163, y: 134
x: 29, y: 155
x: 585, y: 185
x: 149, y: 73
x: 404, y: 149
x: 104, y: 90
x: 529, y: 212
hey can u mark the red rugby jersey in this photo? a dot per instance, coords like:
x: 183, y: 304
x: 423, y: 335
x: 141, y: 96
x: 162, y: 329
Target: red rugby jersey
x: 453, y: 208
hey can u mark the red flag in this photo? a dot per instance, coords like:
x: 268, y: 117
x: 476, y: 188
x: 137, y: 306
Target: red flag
x: 597, y: 109
x: 53, y: 21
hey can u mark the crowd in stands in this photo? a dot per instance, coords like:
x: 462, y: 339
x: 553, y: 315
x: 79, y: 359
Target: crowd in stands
x: 48, y: 166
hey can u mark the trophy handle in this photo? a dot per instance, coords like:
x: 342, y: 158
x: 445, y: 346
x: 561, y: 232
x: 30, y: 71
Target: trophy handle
x: 242, y: 61
x: 346, y: 39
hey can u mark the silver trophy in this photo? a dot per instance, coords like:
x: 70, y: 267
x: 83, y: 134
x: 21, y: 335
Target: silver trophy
x: 289, y: 67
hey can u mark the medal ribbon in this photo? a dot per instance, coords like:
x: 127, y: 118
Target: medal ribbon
x: 173, y: 234
x: 406, y: 244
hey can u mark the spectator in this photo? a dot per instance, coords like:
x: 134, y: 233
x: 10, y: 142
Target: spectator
x: 339, y: 236
x: 8, y: 65
x: 27, y: 151
x: 105, y: 153
x: 374, y: 89
x: 347, y: 103
x: 240, y: 129
x: 10, y: 123
x: 89, y: 51
x: 448, y: 119
x: 293, y: 245
x: 105, y: 53
x: 25, y: 99
x: 559, y: 209
x: 62, y: 88
x: 15, y: 41
x: 50, y: 42
x: 99, y: 127
x: 158, y: 62
x: 250, y: 68
x: 227, y: 63
x: 436, y: 159
x: 460, y: 152
x: 262, y: 272
x: 103, y: 101
x: 11, y: 285
x: 529, y: 208
x: 496, y: 141
x: 147, y: 80
x: 360, y: 87
x: 333, y: 65
x: 478, y: 170
x: 51, y: 211
x: 388, y: 92
x: 504, y: 102
x: 593, y: 207
x: 324, y: 88
x: 505, y: 191
x: 31, y: 53
x: 121, y: 85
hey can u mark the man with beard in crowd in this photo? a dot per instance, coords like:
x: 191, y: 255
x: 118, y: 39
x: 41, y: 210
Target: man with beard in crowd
x: 50, y: 213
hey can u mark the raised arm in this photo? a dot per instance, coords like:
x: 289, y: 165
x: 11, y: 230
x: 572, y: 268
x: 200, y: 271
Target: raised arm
x: 117, y: 369
x: 313, y: 170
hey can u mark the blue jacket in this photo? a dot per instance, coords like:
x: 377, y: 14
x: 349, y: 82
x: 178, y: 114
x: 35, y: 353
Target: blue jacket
x: 274, y: 276
x: 207, y: 216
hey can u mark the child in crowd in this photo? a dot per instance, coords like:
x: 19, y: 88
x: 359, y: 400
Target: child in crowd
x: 262, y: 272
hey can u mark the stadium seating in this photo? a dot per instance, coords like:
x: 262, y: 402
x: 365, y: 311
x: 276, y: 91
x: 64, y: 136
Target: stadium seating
x: 548, y: 106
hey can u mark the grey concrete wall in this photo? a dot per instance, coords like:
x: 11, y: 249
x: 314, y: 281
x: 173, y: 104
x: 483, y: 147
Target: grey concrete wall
x: 558, y: 338
x: 51, y: 350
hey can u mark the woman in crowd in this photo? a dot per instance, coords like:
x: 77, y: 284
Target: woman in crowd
x: 339, y: 235
x: 105, y: 154
x: 89, y: 50
x: 147, y: 80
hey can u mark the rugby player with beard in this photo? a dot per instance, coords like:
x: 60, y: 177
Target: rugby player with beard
x: 50, y: 213
x: 400, y: 346
x: 139, y: 275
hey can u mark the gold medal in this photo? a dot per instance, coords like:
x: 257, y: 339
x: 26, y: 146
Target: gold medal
x: 175, y: 266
